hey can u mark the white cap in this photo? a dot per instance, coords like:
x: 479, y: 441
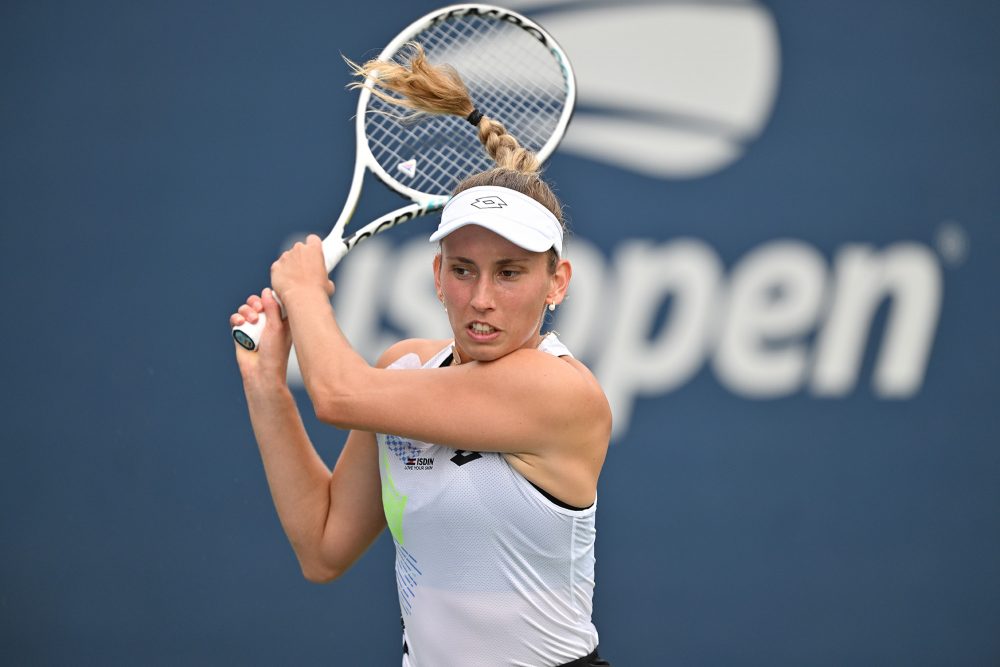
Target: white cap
x: 514, y: 216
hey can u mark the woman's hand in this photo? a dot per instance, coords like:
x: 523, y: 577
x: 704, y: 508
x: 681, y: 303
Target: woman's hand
x: 269, y: 363
x: 302, y: 266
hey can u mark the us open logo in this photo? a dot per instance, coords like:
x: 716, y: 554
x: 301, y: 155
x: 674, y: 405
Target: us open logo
x: 690, y: 126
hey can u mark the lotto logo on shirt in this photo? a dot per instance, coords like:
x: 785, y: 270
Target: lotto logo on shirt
x: 418, y: 463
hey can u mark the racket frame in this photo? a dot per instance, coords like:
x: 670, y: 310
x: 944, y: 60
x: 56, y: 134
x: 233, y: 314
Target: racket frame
x: 335, y: 245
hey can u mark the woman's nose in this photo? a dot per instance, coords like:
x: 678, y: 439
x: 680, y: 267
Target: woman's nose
x: 482, y: 295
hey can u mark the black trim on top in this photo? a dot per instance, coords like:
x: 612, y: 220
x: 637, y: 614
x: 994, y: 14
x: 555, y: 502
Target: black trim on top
x: 552, y: 499
x: 555, y: 501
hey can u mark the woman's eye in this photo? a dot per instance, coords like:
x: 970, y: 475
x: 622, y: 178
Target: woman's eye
x: 509, y: 274
x: 461, y: 271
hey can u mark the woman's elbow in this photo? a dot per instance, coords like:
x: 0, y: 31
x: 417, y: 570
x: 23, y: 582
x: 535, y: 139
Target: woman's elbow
x: 320, y: 573
x: 326, y: 406
x: 335, y: 398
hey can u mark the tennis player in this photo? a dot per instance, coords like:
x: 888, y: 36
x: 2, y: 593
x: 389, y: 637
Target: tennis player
x: 481, y: 454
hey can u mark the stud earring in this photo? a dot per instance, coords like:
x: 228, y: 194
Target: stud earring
x: 552, y: 306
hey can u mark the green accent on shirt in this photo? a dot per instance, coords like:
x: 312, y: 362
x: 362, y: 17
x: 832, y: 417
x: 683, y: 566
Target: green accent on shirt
x: 393, y: 503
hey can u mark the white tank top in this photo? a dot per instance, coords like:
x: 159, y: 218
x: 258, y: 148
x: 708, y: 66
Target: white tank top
x: 489, y: 571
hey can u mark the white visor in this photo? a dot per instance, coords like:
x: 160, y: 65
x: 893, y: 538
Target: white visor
x: 514, y: 216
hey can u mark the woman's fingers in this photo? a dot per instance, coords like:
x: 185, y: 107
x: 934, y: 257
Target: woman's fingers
x: 248, y: 312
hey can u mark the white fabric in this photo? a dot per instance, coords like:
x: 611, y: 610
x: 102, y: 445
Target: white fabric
x: 489, y: 571
x: 514, y: 216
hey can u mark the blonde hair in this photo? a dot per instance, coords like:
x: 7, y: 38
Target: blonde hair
x: 439, y: 89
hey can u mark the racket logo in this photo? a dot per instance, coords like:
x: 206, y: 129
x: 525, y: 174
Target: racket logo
x: 489, y: 202
x: 492, y: 12
x: 409, y: 168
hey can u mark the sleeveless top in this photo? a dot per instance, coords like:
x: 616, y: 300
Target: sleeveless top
x: 489, y: 569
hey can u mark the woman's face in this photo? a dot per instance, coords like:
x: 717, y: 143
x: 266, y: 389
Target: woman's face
x: 495, y: 292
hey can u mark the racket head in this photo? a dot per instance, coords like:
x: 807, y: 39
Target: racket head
x: 516, y: 73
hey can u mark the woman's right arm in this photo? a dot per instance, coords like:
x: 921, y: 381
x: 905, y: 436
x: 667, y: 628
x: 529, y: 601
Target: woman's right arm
x: 330, y: 518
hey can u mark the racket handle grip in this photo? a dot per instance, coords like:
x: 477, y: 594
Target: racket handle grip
x: 248, y: 335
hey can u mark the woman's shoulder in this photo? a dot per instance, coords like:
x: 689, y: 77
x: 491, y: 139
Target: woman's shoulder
x: 423, y: 348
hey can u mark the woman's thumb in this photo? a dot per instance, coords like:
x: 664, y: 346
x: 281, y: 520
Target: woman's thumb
x: 272, y: 306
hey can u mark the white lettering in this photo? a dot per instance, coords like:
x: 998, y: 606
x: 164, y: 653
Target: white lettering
x: 774, y: 298
x: 908, y: 275
x: 647, y: 321
x: 685, y: 272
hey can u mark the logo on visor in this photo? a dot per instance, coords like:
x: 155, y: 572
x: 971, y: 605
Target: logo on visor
x: 489, y: 202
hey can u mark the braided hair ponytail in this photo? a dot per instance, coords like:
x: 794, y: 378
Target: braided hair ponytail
x: 439, y: 89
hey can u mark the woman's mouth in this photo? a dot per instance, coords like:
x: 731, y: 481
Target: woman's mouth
x: 482, y: 332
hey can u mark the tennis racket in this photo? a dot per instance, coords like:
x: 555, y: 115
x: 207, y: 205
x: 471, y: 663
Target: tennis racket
x: 515, y: 72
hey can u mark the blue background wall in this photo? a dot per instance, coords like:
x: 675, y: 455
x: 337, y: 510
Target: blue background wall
x: 154, y: 158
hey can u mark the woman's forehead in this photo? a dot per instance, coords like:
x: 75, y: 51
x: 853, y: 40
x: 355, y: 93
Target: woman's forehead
x: 475, y: 242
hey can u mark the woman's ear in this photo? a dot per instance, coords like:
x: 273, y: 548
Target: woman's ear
x: 560, y: 282
x: 437, y: 275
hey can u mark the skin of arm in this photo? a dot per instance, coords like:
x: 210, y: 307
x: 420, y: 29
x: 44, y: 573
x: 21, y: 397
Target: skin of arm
x: 330, y: 518
x: 547, y: 414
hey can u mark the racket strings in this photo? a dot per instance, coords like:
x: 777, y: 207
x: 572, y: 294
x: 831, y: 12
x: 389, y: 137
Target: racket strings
x: 503, y: 74
x: 512, y: 77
